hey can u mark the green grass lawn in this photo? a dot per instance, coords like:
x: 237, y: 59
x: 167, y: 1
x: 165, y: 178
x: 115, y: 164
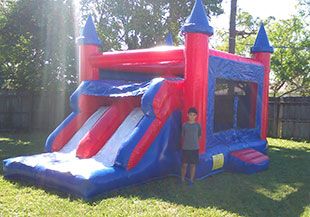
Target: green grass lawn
x: 283, y: 190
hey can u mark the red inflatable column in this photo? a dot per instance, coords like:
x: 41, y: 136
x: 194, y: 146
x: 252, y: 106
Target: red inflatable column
x: 89, y: 44
x: 265, y: 59
x: 197, y: 32
x: 196, y: 79
x: 87, y: 72
x: 261, y: 52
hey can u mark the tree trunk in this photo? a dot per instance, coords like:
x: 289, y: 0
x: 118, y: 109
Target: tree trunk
x: 232, y: 27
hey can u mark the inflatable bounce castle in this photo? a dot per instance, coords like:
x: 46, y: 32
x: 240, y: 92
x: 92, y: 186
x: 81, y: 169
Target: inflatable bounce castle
x: 128, y: 110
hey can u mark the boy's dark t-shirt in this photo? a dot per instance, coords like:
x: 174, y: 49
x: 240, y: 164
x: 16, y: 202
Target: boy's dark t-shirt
x: 191, y: 134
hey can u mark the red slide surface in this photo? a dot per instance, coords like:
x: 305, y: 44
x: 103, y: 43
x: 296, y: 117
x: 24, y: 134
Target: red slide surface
x: 87, y: 105
x: 104, y: 128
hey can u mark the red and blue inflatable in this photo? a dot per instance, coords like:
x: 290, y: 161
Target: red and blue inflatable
x: 128, y: 110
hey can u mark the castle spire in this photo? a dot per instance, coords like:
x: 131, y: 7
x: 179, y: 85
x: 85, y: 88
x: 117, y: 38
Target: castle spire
x: 262, y: 43
x: 198, y: 20
x: 89, y: 35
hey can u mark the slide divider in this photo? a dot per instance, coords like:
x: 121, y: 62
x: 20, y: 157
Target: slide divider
x: 66, y: 134
x: 104, y: 128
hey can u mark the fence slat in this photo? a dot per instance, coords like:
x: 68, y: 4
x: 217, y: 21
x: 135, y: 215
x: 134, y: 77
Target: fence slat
x: 290, y: 118
x: 32, y: 111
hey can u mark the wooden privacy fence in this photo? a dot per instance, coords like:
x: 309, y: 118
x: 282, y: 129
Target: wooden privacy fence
x: 32, y: 111
x: 289, y: 117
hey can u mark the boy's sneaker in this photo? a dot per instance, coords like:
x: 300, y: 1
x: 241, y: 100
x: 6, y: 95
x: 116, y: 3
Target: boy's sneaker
x: 190, y: 183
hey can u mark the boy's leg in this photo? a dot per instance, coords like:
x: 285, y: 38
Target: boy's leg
x: 192, y: 172
x: 183, y: 171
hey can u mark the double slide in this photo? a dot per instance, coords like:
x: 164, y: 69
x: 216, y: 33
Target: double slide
x: 119, y: 134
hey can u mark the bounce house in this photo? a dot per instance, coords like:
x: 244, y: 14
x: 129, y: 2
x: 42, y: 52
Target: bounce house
x: 128, y: 111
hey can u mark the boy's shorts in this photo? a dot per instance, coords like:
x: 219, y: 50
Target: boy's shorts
x: 190, y: 156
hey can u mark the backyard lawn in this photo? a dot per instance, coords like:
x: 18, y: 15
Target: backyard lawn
x: 283, y: 190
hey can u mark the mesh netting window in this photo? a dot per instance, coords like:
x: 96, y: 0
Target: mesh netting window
x: 235, y: 105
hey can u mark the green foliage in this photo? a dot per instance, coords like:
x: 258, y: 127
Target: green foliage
x: 37, y: 44
x: 37, y: 49
x: 282, y: 190
x: 140, y: 23
x: 290, y: 63
x: 246, y: 30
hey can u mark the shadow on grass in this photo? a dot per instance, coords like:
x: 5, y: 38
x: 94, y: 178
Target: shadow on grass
x: 283, y: 190
x: 20, y: 144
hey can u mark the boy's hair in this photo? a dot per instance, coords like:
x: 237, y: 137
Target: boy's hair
x: 192, y: 110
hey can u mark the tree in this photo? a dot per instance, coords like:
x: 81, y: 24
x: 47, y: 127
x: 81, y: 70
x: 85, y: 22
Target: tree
x: 290, y: 63
x: 140, y: 23
x: 246, y: 30
x: 37, y: 48
x: 232, y: 27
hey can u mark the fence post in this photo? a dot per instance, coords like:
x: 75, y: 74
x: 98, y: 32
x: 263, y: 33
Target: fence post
x: 280, y: 118
x: 275, y: 120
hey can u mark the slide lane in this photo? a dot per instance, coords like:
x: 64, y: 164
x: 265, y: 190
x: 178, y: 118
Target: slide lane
x: 84, y: 107
x: 109, y: 151
x: 70, y: 129
x: 72, y: 145
x: 160, y: 101
x: 105, y: 127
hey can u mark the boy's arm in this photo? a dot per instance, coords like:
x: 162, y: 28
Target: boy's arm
x: 183, y: 131
x: 199, y: 131
x: 182, y: 137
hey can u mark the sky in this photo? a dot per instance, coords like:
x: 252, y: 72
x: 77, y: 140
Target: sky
x: 280, y: 9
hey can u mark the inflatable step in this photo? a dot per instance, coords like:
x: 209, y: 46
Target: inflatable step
x: 248, y: 161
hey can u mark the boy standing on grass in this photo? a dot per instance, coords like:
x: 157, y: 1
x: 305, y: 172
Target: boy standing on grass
x: 191, y: 133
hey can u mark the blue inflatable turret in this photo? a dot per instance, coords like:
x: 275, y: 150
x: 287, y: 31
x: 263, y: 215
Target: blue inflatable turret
x: 89, y: 35
x: 262, y: 43
x: 262, y: 53
x: 198, y: 20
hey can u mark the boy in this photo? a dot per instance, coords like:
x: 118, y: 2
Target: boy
x: 191, y: 132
